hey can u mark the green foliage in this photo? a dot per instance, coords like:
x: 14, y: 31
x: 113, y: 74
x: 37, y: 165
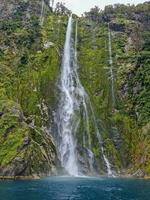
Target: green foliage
x: 28, y: 75
x: 130, y: 51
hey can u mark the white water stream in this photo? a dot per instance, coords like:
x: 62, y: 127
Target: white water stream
x: 72, y: 98
x: 67, y: 145
x: 42, y: 13
x: 111, y: 68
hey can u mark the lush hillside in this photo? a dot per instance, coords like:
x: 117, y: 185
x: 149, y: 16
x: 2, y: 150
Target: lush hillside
x: 30, y: 60
x: 29, y: 65
x: 126, y: 118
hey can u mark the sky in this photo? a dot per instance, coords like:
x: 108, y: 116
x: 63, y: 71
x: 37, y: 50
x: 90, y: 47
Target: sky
x: 80, y: 6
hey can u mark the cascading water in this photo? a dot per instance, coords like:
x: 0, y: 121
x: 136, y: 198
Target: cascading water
x: 111, y: 68
x: 73, y: 99
x: 98, y: 135
x: 86, y: 101
x: 51, y: 4
x: 72, y: 96
x: 42, y: 13
x: 115, y: 130
x: 67, y: 143
x: 82, y: 100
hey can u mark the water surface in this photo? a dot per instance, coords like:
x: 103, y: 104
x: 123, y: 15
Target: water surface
x: 66, y: 188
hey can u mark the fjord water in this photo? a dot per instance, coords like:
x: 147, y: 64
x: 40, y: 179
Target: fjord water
x: 65, y: 188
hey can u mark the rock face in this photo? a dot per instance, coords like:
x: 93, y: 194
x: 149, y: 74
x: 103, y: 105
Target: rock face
x: 117, y: 27
x: 13, y: 8
x: 125, y: 143
x: 25, y: 150
x: 26, y: 145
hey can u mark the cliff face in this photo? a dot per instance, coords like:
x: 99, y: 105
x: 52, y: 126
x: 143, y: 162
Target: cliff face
x: 30, y: 58
x: 12, y: 9
x: 26, y: 150
x: 125, y: 111
x: 28, y: 76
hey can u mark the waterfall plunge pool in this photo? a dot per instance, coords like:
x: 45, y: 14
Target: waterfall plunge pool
x: 80, y: 188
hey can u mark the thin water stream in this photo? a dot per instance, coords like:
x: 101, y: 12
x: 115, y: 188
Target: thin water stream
x: 111, y: 68
x: 42, y: 13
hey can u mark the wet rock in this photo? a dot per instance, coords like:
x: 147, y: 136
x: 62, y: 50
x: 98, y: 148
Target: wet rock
x: 139, y: 174
x: 16, y: 168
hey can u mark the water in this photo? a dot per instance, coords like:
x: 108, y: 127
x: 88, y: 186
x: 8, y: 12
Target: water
x: 111, y: 69
x: 73, y: 100
x: 65, y: 122
x: 51, y: 3
x: 115, y: 130
x: 42, y: 13
x: 63, y: 188
x: 82, y: 100
x: 98, y: 135
x: 108, y: 165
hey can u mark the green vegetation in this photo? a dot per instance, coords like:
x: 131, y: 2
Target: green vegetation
x: 29, y: 69
x: 127, y: 127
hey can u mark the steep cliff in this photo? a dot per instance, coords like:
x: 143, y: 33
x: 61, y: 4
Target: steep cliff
x: 118, y: 84
x: 29, y: 65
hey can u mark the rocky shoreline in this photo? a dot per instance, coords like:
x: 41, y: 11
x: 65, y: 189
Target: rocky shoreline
x: 35, y: 177
x: 3, y: 178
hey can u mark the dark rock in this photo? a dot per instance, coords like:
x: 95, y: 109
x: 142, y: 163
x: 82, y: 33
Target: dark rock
x: 16, y: 168
x: 1, y: 114
x: 26, y: 141
x: 28, y: 120
x: 117, y: 27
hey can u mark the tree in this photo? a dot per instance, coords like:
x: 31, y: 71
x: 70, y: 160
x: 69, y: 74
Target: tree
x: 61, y: 9
x: 94, y: 14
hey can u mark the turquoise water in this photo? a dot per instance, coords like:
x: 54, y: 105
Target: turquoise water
x: 63, y: 188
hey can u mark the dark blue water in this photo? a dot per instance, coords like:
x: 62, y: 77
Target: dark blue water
x: 61, y: 188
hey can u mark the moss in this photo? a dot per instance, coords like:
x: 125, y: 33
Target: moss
x: 10, y: 148
x: 12, y: 133
x: 30, y: 72
x: 94, y: 75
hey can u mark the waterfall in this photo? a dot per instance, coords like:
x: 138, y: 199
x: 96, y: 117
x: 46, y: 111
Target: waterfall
x: 51, y: 4
x: 74, y: 99
x: 86, y: 102
x: 66, y: 127
x: 98, y: 135
x: 42, y: 13
x: 111, y: 68
x: 82, y: 96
